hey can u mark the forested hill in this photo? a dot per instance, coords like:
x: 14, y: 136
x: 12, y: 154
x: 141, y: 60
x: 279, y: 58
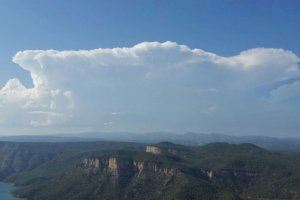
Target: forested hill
x: 119, y: 170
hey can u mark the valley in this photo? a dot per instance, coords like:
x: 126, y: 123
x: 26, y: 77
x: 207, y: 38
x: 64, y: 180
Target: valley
x: 127, y: 170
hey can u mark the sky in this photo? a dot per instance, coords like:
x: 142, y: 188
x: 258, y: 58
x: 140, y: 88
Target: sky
x: 141, y: 66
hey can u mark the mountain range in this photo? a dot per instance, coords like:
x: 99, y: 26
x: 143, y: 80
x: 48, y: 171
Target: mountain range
x: 291, y: 145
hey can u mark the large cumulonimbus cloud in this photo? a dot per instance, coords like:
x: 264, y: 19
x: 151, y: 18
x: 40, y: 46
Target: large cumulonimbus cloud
x: 155, y: 86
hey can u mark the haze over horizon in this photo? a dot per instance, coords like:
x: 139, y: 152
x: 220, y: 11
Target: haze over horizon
x: 145, y: 72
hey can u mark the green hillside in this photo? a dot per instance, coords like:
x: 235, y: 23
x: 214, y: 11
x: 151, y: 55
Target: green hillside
x: 114, y: 170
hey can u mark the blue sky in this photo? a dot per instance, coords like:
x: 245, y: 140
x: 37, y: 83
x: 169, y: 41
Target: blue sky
x: 224, y: 28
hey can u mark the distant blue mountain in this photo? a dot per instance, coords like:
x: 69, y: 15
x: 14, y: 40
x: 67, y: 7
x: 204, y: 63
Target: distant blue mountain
x: 271, y: 143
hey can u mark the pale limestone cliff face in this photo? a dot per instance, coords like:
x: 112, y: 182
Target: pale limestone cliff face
x: 139, y: 165
x: 228, y: 173
x: 153, y: 149
x: 169, y: 171
x: 210, y: 174
x: 91, y: 164
x: 142, y: 166
x: 113, y: 166
x: 116, y: 167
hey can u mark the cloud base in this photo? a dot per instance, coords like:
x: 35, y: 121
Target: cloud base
x: 155, y: 86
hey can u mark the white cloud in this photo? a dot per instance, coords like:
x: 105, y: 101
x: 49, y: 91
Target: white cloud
x: 107, y: 123
x: 155, y: 85
x: 117, y: 113
x: 286, y: 91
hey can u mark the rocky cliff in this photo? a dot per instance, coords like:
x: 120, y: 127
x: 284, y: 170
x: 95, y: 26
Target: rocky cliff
x: 153, y: 149
x: 216, y: 171
x: 116, y: 166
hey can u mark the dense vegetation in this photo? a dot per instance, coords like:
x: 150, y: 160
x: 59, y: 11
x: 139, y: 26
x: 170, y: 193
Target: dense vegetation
x: 116, y: 170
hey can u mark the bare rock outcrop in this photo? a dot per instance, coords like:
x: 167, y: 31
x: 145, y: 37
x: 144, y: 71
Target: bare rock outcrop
x: 153, y: 149
x: 117, y: 167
